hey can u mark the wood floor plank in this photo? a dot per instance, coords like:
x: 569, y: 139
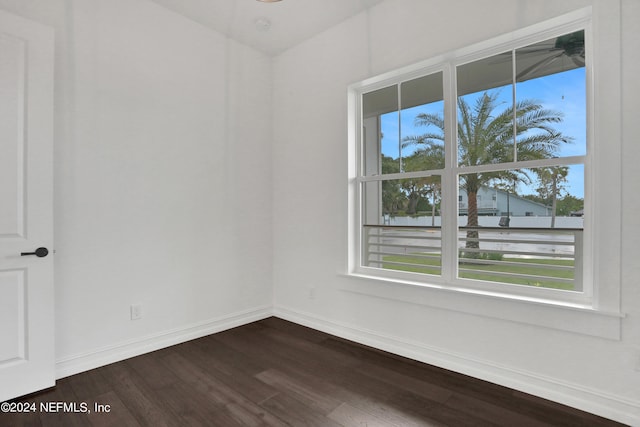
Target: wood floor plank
x: 347, y: 415
x: 379, y: 398
x: 375, y: 356
x: 276, y: 373
x: 109, y: 411
x: 225, y: 358
x: 138, y: 397
x: 294, y: 329
x: 25, y: 419
x: 296, y: 413
x: 490, y: 412
x: 231, y: 402
x: 436, y: 413
x: 312, y: 351
x: 554, y: 413
x: 63, y: 392
x: 54, y: 417
x: 366, y: 396
x: 305, y: 392
x: 389, y: 366
x: 193, y: 408
x: 417, y: 386
x: 229, y: 372
x: 274, y: 355
x: 152, y: 370
x: 89, y: 384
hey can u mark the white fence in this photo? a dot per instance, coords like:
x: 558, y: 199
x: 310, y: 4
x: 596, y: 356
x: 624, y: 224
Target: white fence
x: 489, y: 221
x: 536, y: 256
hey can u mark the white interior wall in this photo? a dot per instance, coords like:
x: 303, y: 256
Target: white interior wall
x: 310, y: 227
x: 162, y: 178
x: 171, y: 193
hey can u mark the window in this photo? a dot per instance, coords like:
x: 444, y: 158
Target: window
x: 502, y: 129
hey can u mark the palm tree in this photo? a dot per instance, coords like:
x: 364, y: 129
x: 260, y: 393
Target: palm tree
x: 485, y: 138
x: 552, y: 184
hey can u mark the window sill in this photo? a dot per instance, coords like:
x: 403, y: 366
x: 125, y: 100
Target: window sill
x: 569, y: 317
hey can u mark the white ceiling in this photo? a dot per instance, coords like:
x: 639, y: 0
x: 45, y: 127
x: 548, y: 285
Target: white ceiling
x: 291, y: 21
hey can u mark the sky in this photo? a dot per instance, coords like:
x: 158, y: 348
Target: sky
x: 565, y: 92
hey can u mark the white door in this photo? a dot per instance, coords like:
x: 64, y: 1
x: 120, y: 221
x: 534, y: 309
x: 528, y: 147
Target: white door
x: 26, y: 207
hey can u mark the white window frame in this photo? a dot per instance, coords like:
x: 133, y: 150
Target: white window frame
x: 596, y: 310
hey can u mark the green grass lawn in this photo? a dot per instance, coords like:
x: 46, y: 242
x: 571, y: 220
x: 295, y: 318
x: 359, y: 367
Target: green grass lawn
x: 432, y: 266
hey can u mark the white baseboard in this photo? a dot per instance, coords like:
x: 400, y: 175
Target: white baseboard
x: 125, y: 350
x: 617, y: 408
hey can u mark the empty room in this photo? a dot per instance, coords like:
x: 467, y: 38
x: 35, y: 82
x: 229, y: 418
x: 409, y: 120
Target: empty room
x: 319, y: 212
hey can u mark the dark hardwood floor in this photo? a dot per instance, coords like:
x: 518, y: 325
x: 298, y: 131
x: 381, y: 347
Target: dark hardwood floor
x: 277, y: 373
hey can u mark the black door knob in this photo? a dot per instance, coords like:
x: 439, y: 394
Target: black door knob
x: 40, y: 253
